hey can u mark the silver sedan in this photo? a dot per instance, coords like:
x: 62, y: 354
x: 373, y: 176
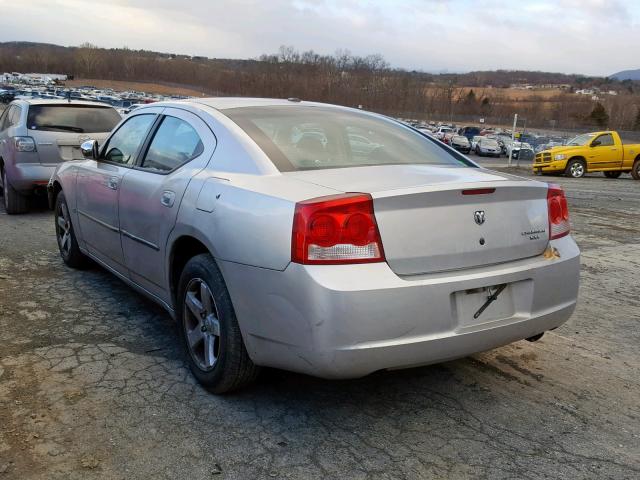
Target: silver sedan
x: 276, y: 240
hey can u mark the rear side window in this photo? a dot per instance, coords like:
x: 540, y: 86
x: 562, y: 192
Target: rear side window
x: 14, y: 116
x: 174, y: 144
x: 72, y: 118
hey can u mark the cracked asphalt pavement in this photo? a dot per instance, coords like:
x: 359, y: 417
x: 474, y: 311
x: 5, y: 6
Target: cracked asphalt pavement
x: 93, y: 384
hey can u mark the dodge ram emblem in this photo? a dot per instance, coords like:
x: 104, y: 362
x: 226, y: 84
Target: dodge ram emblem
x: 478, y: 216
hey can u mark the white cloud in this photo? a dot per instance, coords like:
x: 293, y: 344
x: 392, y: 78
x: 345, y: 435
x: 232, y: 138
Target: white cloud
x: 582, y: 36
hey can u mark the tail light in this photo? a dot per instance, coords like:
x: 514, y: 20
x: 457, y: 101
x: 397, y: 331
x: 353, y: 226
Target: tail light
x: 558, y: 212
x: 336, y: 229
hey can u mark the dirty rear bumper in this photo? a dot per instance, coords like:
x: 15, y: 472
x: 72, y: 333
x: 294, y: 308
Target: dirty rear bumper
x: 351, y: 320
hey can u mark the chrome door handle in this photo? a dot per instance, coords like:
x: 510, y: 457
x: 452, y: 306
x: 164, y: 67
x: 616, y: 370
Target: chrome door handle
x: 112, y: 183
x: 167, y: 199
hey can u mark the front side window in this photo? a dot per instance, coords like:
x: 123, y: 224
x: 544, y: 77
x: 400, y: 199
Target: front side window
x: 123, y: 145
x: 605, y: 140
x: 174, y: 144
x: 72, y: 118
x: 310, y: 138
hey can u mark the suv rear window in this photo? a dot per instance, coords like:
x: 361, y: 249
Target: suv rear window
x: 72, y: 118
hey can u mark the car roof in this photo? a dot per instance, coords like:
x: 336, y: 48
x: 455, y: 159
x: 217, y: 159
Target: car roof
x: 224, y: 103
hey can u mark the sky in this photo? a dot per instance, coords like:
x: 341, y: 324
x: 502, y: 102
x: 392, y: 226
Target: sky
x: 592, y: 37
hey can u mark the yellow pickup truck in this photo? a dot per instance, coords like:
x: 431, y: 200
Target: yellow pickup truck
x: 591, y: 152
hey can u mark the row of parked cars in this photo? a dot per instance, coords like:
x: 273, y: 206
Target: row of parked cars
x: 481, y: 141
x: 124, y: 102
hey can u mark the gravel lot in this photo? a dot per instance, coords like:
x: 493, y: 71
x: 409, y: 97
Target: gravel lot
x: 92, y: 384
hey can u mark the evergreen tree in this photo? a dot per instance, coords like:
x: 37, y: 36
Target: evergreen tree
x: 599, y: 115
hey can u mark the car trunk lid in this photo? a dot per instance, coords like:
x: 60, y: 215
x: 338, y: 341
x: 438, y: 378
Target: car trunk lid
x: 55, y: 147
x: 428, y: 224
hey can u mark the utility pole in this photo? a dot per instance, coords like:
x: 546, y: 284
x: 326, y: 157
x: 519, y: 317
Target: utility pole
x: 513, y: 133
x: 524, y: 130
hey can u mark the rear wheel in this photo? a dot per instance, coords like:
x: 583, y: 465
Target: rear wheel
x: 612, y: 174
x: 66, y: 237
x: 576, y: 169
x: 209, y: 329
x: 14, y: 202
x: 635, y: 171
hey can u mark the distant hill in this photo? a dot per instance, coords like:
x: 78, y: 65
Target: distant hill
x: 627, y: 75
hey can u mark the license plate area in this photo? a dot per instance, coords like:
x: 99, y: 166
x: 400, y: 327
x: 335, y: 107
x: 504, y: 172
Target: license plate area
x: 512, y: 304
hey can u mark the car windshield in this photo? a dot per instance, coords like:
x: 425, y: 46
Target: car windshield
x: 72, y: 118
x: 489, y: 142
x: 311, y: 138
x: 581, y: 139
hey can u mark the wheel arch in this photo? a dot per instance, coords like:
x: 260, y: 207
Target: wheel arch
x: 53, y: 192
x: 182, y: 249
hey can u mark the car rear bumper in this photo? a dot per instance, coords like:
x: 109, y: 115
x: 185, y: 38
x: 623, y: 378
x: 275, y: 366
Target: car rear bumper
x: 25, y: 177
x: 349, y: 321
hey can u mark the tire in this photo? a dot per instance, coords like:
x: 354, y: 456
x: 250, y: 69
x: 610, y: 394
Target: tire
x: 209, y: 330
x: 576, y: 169
x: 612, y: 174
x: 66, y: 237
x: 14, y: 202
x: 635, y: 171
x: 478, y: 152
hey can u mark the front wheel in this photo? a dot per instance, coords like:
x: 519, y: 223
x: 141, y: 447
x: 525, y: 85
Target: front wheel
x: 576, y: 169
x: 66, y: 237
x: 209, y: 329
x: 635, y: 171
x: 612, y: 174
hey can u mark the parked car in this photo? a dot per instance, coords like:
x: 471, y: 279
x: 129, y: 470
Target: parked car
x: 442, y: 131
x: 487, y: 147
x: 469, y: 132
x: 36, y: 135
x: 448, y: 137
x: 591, y: 152
x: 519, y: 150
x: 474, y: 142
x: 460, y: 143
x: 296, y: 256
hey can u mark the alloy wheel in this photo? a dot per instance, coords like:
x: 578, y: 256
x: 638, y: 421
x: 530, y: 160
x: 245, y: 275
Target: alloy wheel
x: 201, y: 324
x: 577, y: 170
x: 63, y: 223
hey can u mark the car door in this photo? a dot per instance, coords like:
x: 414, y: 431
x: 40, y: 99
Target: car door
x: 180, y: 147
x: 98, y: 188
x: 604, y: 153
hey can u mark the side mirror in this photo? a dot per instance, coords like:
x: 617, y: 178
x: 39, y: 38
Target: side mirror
x: 90, y: 149
x: 595, y: 143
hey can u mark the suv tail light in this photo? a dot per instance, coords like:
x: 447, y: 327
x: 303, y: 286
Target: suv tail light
x: 336, y: 229
x: 24, y: 144
x: 558, y: 212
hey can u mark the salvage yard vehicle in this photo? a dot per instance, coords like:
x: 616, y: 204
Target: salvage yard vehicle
x: 315, y: 256
x: 591, y: 152
x: 461, y: 143
x: 36, y: 135
x: 520, y: 150
x: 487, y: 147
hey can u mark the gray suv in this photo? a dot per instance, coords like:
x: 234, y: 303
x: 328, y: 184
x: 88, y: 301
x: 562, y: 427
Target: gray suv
x: 36, y: 135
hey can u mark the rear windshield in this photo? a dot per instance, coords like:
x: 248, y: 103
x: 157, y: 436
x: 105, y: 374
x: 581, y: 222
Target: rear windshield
x: 312, y: 138
x: 72, y: 118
